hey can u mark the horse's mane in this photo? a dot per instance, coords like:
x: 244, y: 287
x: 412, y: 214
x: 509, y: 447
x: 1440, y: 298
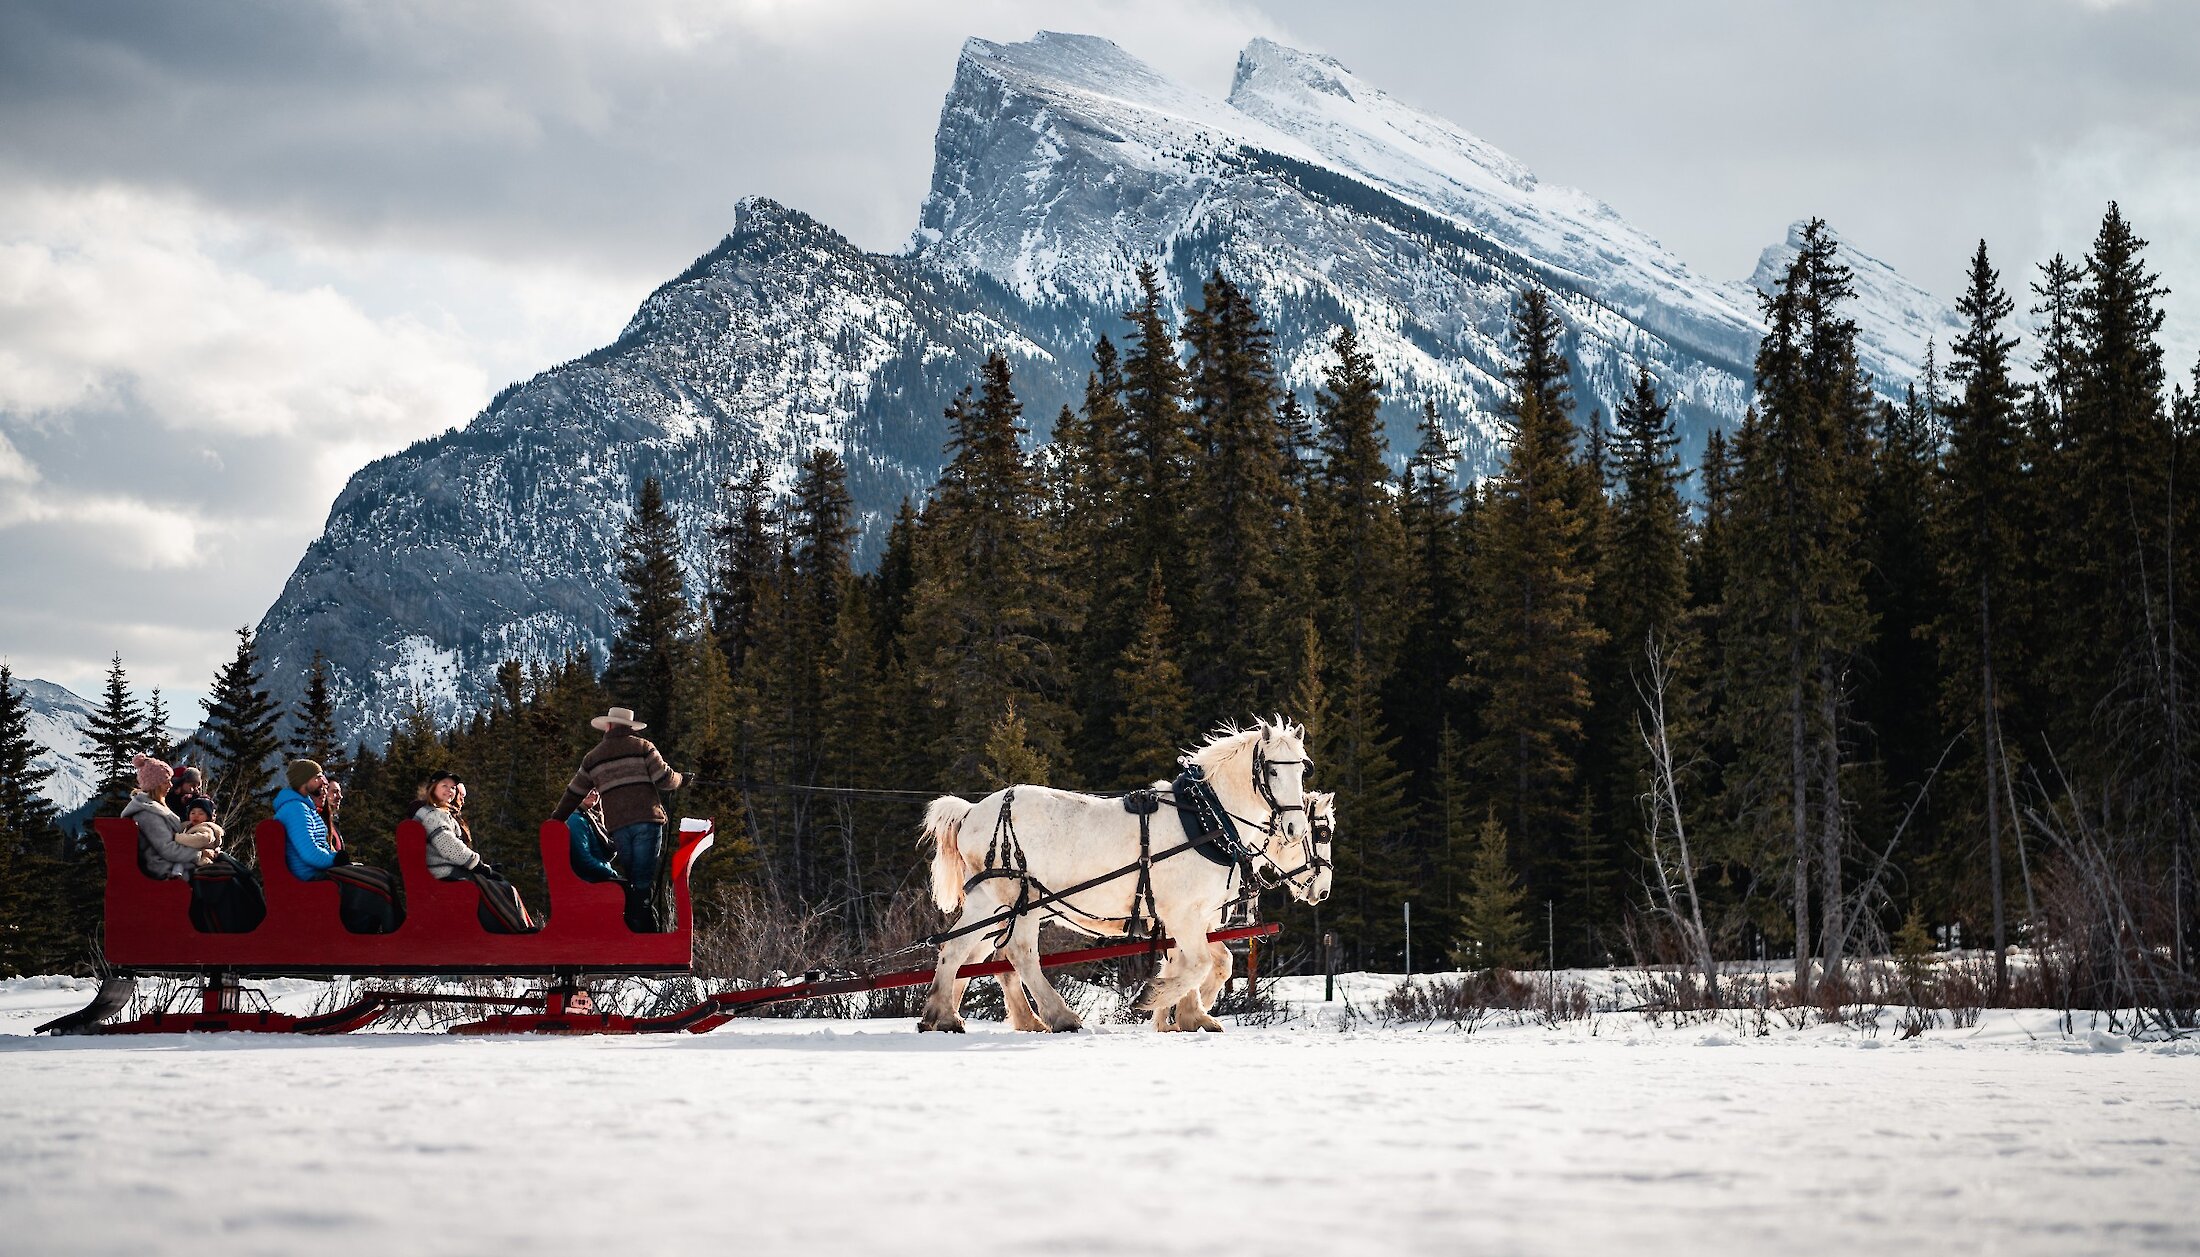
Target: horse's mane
x: 1229, y: 741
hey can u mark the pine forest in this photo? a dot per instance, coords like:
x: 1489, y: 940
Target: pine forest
x: 1870, y: 668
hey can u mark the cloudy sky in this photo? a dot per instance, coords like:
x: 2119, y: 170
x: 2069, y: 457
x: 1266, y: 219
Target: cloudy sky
x: 247, y: 245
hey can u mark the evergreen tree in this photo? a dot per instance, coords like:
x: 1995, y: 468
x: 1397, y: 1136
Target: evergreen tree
x: 1155, y: 723
x: 1307, y: 701
x: 1234, y: 518
x: 1982, y: 482
x: 895, y: 581
x: 1640, y: 595
x: 116, y: 732
x: 313, y: 732
x: 654, y: 617
x: 1530, y: 631
x: 2117, y: 666
x: 1491, y: 933
x: 2060, y: 360
x: 1094, y: 517
x: 1375, y: 870
x: 2116, y: 484
x: 159, y: 742
x: 857, y: 754
x: 708, y: 711
x: 1417, y: 698
x: 1644, y: 576
x: 1160, y: 448
x: 26, y: 817
x: 824, y: 533
x: 1360, y: 542
x: 1795, y: 615
x: 27, y: 934
x: 988, y: 611
x: 1900, y: 587
x: 240, y: 739
x: 747, y: 536
x: 1008, y: 758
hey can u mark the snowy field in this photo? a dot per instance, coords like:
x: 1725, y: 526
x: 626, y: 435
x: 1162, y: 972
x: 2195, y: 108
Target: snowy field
x: 1319, y: 1135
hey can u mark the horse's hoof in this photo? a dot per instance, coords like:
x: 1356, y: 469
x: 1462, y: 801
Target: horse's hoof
x: 1212, y: 1027
x: 957, y: 1028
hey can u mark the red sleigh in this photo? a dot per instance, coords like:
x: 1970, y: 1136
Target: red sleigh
x: 149, y: 932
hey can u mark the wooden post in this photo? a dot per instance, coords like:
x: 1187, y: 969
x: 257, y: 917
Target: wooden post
x: 1329, y: 967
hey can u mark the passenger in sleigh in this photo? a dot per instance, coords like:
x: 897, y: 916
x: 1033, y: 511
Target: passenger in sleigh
x: 590, y: 850
x: 162, y: 850
x: 368, y: 900
x: 224, y: 897
x: 451, y: 858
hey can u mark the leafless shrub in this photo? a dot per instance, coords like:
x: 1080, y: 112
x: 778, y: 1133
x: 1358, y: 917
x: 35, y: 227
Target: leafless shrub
x: 756, y: 936
x: 1466, y: 1000
x: 1962, y: 986
x: 1915, y: 1021
x: 1563, y: 1004
x: 2106, y: 917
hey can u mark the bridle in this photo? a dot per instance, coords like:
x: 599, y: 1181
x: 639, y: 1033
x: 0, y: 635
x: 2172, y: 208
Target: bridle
x: 1269, y: 872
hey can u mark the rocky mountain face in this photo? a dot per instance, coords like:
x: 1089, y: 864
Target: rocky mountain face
x: 1060, y: 165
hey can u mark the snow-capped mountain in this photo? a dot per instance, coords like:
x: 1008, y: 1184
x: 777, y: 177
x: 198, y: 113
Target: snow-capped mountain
x: 1895, y: 318
x: 56, y: 716
x: 499, y: 540
x: 1060, y: 165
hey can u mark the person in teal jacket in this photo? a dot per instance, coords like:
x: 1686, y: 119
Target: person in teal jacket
x: 307, y: 849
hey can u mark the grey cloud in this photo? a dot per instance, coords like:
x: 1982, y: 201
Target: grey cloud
x: 515, y: 129
x: 449, y: 156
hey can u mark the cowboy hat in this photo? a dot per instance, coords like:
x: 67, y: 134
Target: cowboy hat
x: 617, y: 716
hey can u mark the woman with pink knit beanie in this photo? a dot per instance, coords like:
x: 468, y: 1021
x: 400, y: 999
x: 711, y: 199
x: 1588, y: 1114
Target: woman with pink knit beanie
x: 158, y: 851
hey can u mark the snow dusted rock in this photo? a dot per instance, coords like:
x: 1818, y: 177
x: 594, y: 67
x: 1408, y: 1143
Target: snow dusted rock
x: 1060, y: 164
x: 56, y: 723
x: 500, y: 540
x: 1063, y: 162
x: 1895, y: 318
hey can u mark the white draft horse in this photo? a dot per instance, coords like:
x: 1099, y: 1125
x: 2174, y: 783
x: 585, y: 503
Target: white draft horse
x: 1022, y: 842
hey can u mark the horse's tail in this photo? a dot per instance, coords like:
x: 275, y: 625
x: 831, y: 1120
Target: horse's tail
x: 943, y: 826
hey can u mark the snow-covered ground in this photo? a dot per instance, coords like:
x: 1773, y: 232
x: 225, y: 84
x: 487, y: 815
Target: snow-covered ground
x: 1323, y: 1134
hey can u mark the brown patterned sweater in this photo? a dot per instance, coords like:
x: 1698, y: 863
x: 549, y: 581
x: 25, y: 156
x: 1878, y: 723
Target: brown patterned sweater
x: 629, y: 772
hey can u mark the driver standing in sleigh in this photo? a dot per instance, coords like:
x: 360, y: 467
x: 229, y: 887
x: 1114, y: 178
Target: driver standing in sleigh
x: 629, y: 773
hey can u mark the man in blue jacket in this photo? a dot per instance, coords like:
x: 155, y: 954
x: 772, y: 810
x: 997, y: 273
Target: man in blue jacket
x: 307, y: 848
x: 368, y: 900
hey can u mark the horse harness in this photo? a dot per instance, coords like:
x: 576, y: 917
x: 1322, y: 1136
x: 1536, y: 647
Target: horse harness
x: 1209, y: 828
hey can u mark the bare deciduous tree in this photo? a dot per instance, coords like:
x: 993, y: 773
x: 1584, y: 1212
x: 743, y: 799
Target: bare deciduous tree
x: 1672, y: 864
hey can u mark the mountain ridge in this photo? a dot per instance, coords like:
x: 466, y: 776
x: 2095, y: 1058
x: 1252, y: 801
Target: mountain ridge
x: 1060, y: 164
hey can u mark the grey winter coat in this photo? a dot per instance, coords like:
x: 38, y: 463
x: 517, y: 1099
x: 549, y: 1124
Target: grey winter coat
x: 448, y: 854
x: 159, y: 853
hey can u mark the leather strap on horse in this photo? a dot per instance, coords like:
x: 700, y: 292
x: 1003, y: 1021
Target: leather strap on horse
x: 1025, y: 904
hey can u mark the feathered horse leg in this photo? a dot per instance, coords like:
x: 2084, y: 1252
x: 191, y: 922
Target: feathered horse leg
x: 1018, y: 1003
x: 1023, y: 952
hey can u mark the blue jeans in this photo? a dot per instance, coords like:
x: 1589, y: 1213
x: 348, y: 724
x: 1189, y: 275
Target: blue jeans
x: 591, y: 851
x: 641, y: 847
